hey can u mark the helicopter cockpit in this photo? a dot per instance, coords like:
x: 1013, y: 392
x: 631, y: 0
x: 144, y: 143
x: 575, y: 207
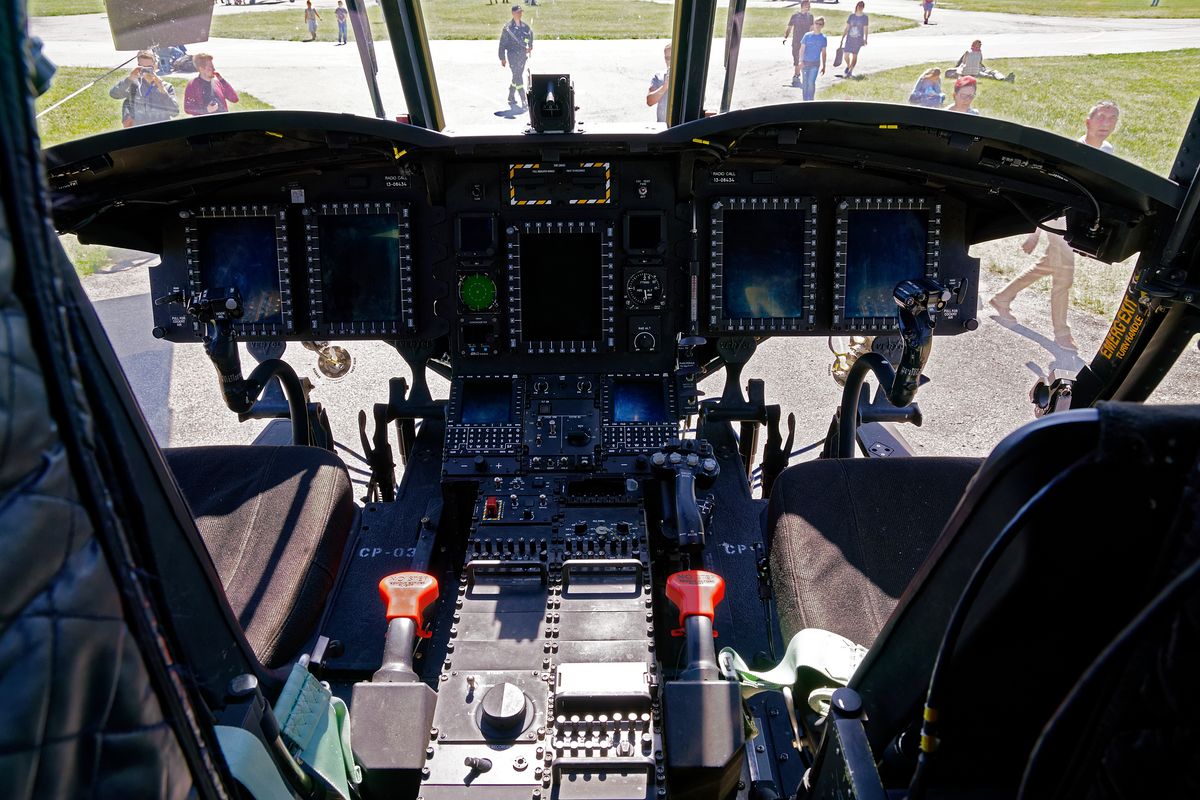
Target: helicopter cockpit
x: 557, y: 581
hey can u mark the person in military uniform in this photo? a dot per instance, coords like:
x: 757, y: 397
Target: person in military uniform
x: 516, y: 43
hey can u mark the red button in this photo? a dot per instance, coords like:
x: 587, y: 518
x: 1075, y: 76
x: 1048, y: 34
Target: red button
x: 408, y: 595
x: 491, y: 508
x: 696, y: 593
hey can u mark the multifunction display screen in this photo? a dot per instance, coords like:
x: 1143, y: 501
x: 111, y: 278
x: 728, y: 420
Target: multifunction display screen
x: 878, y: 243
x: 242, y: 253
x: 636, y: 400
x: 882, y: 249
x: 486, y: 401
x: 360, y: 267
x: 763, y: 264
x: 561, y: 291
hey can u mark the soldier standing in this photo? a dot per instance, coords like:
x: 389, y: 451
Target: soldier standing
x: 516, y: 44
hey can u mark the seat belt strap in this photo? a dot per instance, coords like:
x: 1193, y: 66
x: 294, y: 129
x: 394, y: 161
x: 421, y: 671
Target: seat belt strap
x: 250, y: 764
x: 830, y: 655
x: 315, y: 725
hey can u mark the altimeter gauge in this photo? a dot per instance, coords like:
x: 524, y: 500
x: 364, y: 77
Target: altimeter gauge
x: 644, y: 289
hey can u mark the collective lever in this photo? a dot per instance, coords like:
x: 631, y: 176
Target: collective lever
x: 700, y: 700
x: 394, y: 711
x: 407, y: 596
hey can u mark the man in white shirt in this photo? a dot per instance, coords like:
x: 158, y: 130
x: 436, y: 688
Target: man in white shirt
x: 1101, y: 122
x: 1058, y: 261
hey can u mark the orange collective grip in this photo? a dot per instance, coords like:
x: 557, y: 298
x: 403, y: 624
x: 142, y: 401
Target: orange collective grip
x: 696, y: 593
x: 408, y: 594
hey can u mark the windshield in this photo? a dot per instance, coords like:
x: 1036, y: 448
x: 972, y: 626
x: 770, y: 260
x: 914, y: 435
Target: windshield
x: 1043, y: 65
x: 1117, y: 75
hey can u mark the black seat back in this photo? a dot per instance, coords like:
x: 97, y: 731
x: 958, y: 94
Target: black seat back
x: 1088, y: 556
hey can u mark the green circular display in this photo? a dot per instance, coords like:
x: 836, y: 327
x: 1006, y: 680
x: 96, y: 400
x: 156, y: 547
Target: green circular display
x: 478, y: 291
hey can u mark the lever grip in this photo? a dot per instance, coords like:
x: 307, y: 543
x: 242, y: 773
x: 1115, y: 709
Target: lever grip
x: 696, y: 593
x: 912, y: 363
x: 689, y: 525
x: 919, y: 300
x: 408, y: 594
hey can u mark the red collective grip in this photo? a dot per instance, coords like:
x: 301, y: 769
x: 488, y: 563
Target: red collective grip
x: 408, y: 594
x: 696, y: 593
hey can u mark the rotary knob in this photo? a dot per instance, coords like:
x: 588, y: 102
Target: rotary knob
x: 644, y: 342
x: 505, y: 708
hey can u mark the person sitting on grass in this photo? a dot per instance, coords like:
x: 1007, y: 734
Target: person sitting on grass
x: 927, y: 91
x: 971, y: 63
x: 964, y: 94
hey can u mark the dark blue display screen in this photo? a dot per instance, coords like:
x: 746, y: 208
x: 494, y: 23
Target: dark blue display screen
x: 639, y: 401
x: 360, y: 267
x: 882, y: 249
x: 486, y: 402
x: 763, y: 264
x: 242, y: 253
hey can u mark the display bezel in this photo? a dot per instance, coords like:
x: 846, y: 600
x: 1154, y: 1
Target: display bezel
x: 454, y: 406
x: 933, y: 247
x: 660, y: 248
x: 607, y: 342
x: 191, y: 238
x: 406, y: 324
x: 458, y: 238
x: 717, y: 320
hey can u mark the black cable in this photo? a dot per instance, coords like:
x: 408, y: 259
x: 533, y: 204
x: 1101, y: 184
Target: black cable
x: 958, y: 617
x: 1125, y: 639
x: 1095, y: 204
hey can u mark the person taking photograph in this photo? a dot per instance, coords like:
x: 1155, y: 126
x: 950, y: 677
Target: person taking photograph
x: 146, y: 98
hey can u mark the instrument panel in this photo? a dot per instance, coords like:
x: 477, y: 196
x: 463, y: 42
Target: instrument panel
x: 568, y: 260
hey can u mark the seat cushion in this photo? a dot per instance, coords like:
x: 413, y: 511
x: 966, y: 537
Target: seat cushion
x: 848, y: 534
x: 275, y: 521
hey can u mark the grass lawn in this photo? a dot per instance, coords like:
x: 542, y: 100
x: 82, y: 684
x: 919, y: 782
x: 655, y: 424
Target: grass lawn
x: 472, y: 19
x: 94, y: 111
x: 87, y: 258
x: 1156, y: 93
x: 1079, y: 8
x: 57, y: 8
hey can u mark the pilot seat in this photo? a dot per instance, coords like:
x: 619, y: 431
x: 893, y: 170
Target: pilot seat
x: 1090, y: 509
x: 276, y: 521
